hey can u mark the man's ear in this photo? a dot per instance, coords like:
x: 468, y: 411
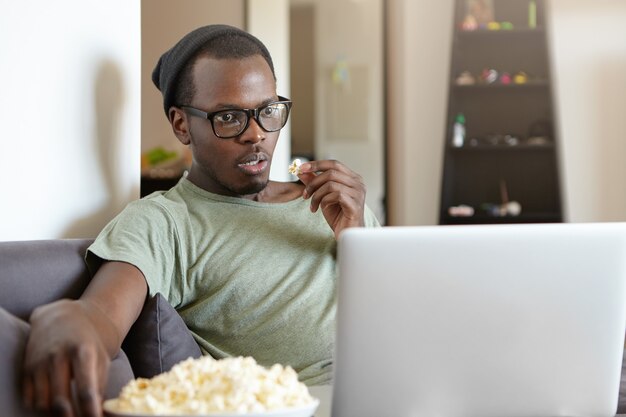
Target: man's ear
x: 180, y: 125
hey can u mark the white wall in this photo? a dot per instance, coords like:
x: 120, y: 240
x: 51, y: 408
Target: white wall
x: 420, y: 38
x: 588, y: 42
x: 589, y: 46
x: 69, y: 111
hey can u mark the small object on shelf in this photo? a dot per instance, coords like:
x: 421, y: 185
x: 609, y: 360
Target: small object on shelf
x: 478, y: 11
x: 491, y: 209
x: 458, y: 135
x: 511, y: 140
x: 538, y: 141
x: 512, y: 208
x: 506, y: 207
x: 465, y: 78
x: 506, y: 25
x: 540, y: 131
x: 489, y: 76
x: 469, y: 23
x: 461, y: 210
x: 520, y: 78
x: 499, y: 139
x: 157, y: 156
x: 532, y: 14
x: 493, y: 26
x: 505, y: 78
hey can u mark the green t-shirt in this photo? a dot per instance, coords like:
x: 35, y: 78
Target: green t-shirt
x: 248, y: 278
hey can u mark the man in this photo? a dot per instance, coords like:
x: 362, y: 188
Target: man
x: 247, y: 262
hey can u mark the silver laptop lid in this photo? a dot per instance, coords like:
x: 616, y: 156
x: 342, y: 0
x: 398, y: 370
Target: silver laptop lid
x: 508, y: 320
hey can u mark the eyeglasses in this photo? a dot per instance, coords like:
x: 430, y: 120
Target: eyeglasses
x: 233, y: 122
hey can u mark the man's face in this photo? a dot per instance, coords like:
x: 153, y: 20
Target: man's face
x: 236, y: 166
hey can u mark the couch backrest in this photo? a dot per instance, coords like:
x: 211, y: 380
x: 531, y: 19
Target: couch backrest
x: 37, y: 272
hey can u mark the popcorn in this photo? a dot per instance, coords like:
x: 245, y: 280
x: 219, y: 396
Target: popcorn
x: 205, y: 386
x: 294, y: 168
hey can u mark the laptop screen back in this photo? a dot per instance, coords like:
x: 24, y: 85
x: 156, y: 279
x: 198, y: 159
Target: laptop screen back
x: 507, y: 320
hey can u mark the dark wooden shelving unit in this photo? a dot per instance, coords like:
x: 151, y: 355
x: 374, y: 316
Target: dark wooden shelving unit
x: 510, y: 137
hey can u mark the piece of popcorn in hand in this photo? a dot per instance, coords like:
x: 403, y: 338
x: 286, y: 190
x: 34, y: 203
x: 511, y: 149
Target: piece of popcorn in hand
x: 294, y: 168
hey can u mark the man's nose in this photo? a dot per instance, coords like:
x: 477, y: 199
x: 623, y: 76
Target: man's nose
x: 253, y: 133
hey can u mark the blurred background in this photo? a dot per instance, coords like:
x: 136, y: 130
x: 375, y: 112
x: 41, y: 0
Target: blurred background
x: 372, y: 82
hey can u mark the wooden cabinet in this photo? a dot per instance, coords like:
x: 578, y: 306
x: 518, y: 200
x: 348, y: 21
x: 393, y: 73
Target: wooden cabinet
x: 505, y: 168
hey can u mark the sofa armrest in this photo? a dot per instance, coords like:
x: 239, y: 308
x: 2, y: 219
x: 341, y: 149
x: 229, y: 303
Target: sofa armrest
x: 38, y: 272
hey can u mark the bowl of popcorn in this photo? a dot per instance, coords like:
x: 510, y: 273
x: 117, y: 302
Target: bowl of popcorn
x: 230, y: 387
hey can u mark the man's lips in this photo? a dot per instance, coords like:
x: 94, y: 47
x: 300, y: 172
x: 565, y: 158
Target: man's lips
x: 253, y: 164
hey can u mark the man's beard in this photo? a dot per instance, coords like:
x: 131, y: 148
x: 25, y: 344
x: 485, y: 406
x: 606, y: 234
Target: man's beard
x: 251, y: 188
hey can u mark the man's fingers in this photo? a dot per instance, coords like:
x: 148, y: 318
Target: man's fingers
x: 28, y: 392
x: 61, y: 408
x: 323, y: 165
x: 315, y: 174
x: 337, y: 190
x: 333, y: 193
x: 85, y: 374
x: 306, y: 177
x: 41, y: 390
x: 335, y: 178
x: 61, y: 400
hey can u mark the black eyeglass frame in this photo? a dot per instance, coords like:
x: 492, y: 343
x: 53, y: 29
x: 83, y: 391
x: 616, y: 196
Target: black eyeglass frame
x: 249, y: 113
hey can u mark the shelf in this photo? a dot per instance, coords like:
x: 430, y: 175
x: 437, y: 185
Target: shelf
x: 150, y: 184
x: 501, y: 148
x: 522, y: 218
x: 484, y: 33
x: 500, y: 87
x: 478, y: 172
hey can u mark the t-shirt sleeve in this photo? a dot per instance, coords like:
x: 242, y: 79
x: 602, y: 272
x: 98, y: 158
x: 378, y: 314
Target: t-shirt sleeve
x: 144, y: 235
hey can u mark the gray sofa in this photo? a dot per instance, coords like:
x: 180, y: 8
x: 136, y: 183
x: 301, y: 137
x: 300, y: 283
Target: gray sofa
x: 33, y: 273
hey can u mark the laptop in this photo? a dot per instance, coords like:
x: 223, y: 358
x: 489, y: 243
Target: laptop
x: 486, y: 320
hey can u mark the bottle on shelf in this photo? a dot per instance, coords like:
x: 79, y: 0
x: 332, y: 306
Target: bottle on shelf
x: 458, y: 135
x: 532, y: 14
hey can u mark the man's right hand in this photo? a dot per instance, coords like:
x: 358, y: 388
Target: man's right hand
x: 65, y: 343
x: 74, y: 341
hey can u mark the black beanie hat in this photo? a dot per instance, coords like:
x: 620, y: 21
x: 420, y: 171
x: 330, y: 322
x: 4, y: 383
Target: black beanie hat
x: 171, y: 63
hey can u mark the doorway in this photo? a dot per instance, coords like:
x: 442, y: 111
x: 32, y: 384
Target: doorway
x: 338, y: 88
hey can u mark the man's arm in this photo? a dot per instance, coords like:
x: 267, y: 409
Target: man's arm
x: 337, y: 190
x: 76, y: 339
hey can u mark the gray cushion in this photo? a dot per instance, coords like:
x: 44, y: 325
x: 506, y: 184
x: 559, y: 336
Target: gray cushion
x: 159, y: 339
